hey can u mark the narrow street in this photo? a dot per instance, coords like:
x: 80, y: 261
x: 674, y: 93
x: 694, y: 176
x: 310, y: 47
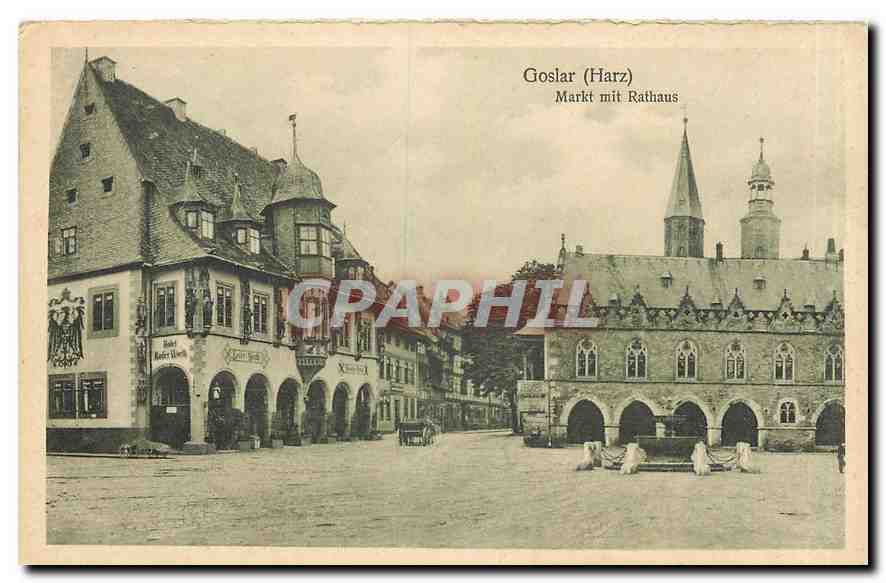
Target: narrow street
x: 482, y: 489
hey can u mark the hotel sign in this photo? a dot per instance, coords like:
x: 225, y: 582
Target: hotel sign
x: 170, y: 351
x: 243, y: 355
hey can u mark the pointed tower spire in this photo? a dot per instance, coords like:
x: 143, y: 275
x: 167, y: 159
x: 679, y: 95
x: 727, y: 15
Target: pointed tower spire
x: 684, y: 221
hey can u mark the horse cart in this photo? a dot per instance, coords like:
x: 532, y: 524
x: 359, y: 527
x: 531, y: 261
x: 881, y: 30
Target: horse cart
x: 417, y: 433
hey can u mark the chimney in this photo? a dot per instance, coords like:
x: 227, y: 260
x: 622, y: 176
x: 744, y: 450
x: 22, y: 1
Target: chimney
x: 107, y: 69
x: 179, y: 107
x: 294, y: 136
x: 805, y: 252
x: 579, y: 250
x: 719, y: 247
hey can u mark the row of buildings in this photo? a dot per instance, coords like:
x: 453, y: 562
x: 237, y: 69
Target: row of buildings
x: 748, y: 348
x: 171, y: 253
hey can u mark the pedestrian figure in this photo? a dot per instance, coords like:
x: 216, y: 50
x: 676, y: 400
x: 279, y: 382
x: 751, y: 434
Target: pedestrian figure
x: 841, y: 457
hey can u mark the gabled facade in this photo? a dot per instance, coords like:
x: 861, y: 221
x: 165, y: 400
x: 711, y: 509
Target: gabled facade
x: 167, y: 287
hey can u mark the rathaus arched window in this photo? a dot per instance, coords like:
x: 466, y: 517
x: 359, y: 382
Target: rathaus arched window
x: 635, y: 360
x: 735, y: 361
x: 785, y: 362
x: 787, y: 412
x: 833, y: 364
x: 687, y: 360
x: 586, y: 359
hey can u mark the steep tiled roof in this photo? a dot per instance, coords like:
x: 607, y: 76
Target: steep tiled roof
x: 163, y: 147
x: 707, y: 279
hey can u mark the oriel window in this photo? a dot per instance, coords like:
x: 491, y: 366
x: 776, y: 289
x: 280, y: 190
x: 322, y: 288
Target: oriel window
x: 308, y: 241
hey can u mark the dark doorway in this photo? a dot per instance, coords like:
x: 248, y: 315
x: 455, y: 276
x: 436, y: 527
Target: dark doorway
x: 315, y: 411
x: 287, y: 403
x: 830, y: 427
x: 739, y: 424
x: 340, y: 410
x: 171, y: 414
x: 256, y: 405
x: 363, y: 413
x: 222, y: 390
x: 636, y: 419
x: 585, y: 423
x: 693, y: 423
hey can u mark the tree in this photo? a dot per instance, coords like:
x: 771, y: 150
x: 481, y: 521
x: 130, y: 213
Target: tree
x: 494, y: 356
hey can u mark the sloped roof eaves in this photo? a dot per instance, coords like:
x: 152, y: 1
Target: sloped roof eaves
x: 707, y: 279
x: 162, y: 146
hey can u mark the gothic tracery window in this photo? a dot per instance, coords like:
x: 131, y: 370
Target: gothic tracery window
x: 687, y: 360
x: 833, y: 364
x: 735, y: 361
x: 787, y: 412
x: 635, y: 360
x: 785, y: 362
x: 586, y: 359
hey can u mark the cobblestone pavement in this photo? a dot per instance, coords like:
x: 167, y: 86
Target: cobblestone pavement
x: 481, y: 489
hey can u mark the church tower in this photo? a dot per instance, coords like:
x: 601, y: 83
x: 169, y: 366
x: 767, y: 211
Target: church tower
x: 760, y: 228
x: 684, y: 223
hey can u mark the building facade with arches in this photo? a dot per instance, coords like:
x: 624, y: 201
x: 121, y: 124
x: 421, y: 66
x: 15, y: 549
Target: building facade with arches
x: 747, y: 348
x: 172, y: 250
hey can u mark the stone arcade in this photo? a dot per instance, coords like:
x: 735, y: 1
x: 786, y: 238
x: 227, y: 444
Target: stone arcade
x: 739, y: 349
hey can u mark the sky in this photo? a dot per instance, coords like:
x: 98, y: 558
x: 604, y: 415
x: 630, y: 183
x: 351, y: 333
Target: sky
x: 445, y: 163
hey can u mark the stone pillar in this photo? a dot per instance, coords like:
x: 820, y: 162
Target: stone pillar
x: 660, y: 429
x: 715, y: 435
x: 611, y: 434
x: 326, y: 421
x: 347, y: 429
x: 199, y: 405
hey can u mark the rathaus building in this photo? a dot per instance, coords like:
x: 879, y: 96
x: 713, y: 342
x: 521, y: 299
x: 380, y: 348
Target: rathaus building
x: 748, y: 348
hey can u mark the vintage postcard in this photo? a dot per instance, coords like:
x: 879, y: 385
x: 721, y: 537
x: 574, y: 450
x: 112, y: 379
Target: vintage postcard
x: 444, y: 293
